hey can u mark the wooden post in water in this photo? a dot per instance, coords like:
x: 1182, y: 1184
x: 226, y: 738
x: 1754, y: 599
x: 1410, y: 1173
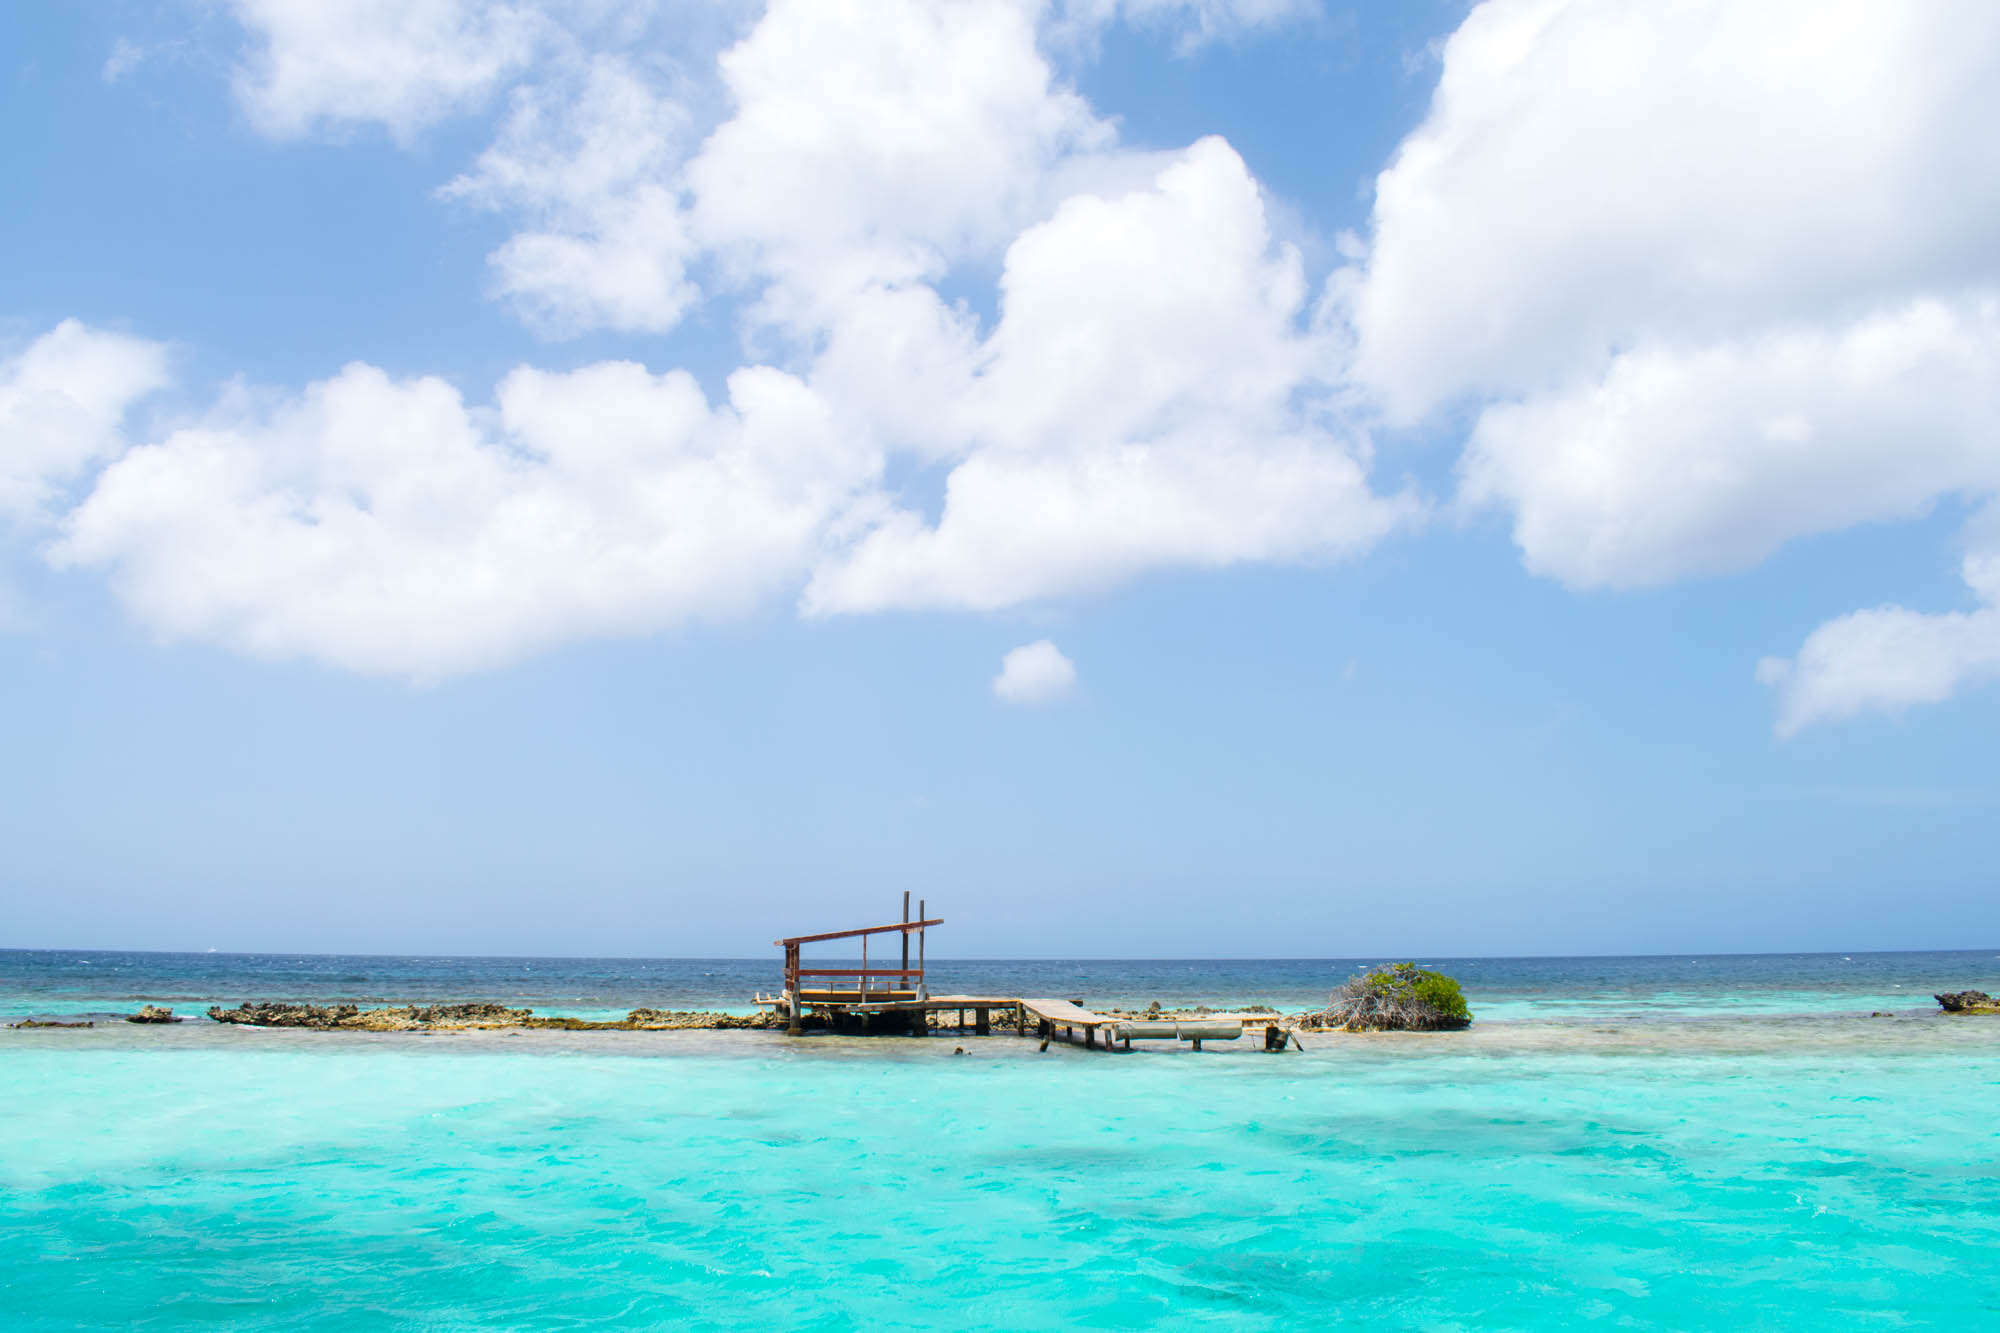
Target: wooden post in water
x: 906, y: 937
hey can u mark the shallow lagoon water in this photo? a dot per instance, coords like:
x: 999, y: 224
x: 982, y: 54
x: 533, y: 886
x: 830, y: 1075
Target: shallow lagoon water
x: 1649, y: 1166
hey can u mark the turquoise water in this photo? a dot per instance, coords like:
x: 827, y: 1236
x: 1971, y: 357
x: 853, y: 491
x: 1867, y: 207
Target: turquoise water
x: 1696, y: 1165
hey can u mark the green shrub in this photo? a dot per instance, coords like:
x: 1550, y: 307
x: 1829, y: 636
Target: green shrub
x: 1398, y: 997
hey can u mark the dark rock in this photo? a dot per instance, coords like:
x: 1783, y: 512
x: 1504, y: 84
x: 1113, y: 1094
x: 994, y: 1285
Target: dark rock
x: 278, y: 1014
x: 676, y: 1019
x: 48, y: 1023
x: 152, y: 1013
x: 1968, y: 1002
x: 468, y: 1013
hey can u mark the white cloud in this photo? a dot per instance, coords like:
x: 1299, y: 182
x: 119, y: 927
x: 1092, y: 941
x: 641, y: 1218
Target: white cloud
x: 403, y: 64
x: 590, y: 165
x: 1138, y: 406
x: 1882, y: 660
x: 878, y: 141
x: 1154, y: 394
x: 1704, y: 459
x: 1035, y: 673
x: 63, y: 400
x: 381, y: 526
x: 1888, y: 658
x: 1716, y: 276
x: 1595, y: 176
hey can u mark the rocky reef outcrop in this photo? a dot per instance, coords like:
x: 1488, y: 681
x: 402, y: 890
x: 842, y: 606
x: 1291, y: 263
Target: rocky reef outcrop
x: 678, y: 1018
x: 1968, y: 1002
x: 269, y: 1014
x: 472, y: 1015
x: 152, y: 1013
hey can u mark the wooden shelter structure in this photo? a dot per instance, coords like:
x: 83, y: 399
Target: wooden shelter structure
x: 907, y: 993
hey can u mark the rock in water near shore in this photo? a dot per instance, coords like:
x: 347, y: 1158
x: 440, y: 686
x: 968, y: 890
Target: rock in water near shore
x: 1968, y: 1002
x: 152, y: 1013
x: 393, y: 1018
x: 269, y: 1014
x: 1399, y: 997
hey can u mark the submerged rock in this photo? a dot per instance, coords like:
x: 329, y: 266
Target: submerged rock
x: 152, y: 1013
x: 48, y: 1023
x: 1968, y: 1002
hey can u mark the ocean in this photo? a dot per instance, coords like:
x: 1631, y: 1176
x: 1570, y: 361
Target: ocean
x: 1673, y: 1143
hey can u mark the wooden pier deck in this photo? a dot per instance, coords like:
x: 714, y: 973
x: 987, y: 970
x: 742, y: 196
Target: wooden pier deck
x: 1069, y: 1019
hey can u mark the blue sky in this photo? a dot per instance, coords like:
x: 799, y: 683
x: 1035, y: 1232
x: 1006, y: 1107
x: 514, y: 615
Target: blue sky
x: 1153, y: 477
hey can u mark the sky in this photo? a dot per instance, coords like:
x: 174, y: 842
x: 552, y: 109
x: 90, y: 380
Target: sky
x: 1152, y: 478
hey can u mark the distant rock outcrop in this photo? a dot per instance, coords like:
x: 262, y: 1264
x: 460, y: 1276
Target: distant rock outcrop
x: 152, y: 1013
x: 1968, y: 1002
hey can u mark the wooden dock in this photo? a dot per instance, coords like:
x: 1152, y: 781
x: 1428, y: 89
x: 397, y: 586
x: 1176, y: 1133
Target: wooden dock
x: 895, y: 999
x: 1068, y: 1020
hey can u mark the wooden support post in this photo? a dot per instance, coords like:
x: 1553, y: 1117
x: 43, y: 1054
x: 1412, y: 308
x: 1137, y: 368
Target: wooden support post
x: 906, y: 934
x: 980, y: 1026
x: 1020, y: 1020
x: 1196, y: 1041
x: 793, y: 1027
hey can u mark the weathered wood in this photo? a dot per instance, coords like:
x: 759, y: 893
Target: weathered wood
x: 791, y: 940
x: 859, y: 972
x: 1064, y: 1011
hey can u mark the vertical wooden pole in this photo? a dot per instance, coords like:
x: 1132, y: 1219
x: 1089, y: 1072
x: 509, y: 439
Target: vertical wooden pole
x: 792, y: 1025
x: 905, y: 981
x: 923, y: 984
x: 864, y: 968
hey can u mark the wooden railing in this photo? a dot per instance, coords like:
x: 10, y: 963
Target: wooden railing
x: 795, y: 968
